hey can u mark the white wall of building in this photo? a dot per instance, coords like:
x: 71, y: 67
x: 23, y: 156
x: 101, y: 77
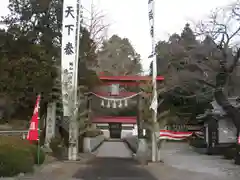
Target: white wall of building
x: 127, y: 129
x: 226, y: 131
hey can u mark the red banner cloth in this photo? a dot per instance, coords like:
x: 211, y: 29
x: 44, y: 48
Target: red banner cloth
x: 33, y: 132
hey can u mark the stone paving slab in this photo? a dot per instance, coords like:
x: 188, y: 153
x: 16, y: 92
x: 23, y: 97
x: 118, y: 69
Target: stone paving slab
x: 114, y: 149
x: 113, y: 162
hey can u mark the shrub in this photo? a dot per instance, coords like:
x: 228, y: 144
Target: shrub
x: 229, y: 153
x: 93, y: 133
x: 15, y: 156
x: 197, y: 143
x: 56, y: 146
x: 38, y: 154
x: 25, y: 144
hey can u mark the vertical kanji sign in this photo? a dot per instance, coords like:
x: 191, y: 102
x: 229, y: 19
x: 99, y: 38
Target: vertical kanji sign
x: 68, y: 54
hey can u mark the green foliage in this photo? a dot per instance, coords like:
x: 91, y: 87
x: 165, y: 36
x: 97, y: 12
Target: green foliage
x: 229, y: 152
x: 118, y: 57
x: 24, y: 144
x: 16, y: 156
x: 130, y: 111
x: 197, y: 143
x: 30, y: 53
x: 26, y: 69
x: 93, y: 133
x: 186, y: 105
x: 163, y: 113
x: 38, y: 155
x: 56, y: 146
x: 147, y: 100
x: 15, y: 161
x: 182, y: 61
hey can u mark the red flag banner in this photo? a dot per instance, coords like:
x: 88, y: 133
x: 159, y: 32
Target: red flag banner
x: 33, y: 133
x: 174, y: 135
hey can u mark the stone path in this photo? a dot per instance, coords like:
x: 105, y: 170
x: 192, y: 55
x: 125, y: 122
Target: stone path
x: 113, y: 149
x: 114, y: 162
x: 113, y: 169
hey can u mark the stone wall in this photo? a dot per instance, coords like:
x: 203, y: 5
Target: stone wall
x: 90, y: 144
x: 132, y: 142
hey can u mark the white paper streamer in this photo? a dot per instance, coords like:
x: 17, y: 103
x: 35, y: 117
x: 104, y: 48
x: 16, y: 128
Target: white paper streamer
x: 114, y: 104
x: 151, y: 10
x: 120, y: 104
x: 126, y: 103
x: 102, y: 103
x: 108, y: 104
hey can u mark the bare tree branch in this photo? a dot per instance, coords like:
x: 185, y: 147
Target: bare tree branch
x: 96, y: 25
x: 235, y: 61
x: 223, y: 23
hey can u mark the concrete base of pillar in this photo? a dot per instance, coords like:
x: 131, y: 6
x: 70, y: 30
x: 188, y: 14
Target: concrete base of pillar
x: 142, y: 151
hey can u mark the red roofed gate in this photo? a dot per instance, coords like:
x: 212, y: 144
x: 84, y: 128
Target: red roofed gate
x: 116, y: 126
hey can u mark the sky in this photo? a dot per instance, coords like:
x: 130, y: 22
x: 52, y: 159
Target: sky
x: 129, y: 18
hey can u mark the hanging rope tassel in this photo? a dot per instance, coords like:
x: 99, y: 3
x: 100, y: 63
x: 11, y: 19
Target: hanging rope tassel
x: 102, y: 103
x: 120, y: 104
x: 114, y: 104
x: 126, y: 103
x: 108, y: 104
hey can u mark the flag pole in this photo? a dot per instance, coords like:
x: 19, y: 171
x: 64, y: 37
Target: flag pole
x: 39, y: 131
x: 38, y: 152
x: 154, y: 104
x: 33, y: 132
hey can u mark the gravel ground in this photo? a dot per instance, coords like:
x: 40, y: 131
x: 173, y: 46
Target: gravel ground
x: 181, y: 162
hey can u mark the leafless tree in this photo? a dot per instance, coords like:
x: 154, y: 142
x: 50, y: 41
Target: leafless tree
x: 224, y: 27
x: 94, y: 21
x: 222, y: 23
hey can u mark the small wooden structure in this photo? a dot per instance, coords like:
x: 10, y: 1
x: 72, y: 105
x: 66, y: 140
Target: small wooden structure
x: 116, y: 96
x: 219, y: 130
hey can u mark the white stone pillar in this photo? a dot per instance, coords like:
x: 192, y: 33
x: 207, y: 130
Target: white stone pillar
x: 50, y: 123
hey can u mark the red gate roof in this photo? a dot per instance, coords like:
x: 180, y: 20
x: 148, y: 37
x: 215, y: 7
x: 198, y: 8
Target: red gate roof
x: 116, y: 119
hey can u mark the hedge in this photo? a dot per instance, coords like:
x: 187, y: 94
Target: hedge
x: 197, y: 143
x: 38, y: 155
x: 229, y: 153
x: 56, y: 147
x: 93, y: 133
x: 17, y: 156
